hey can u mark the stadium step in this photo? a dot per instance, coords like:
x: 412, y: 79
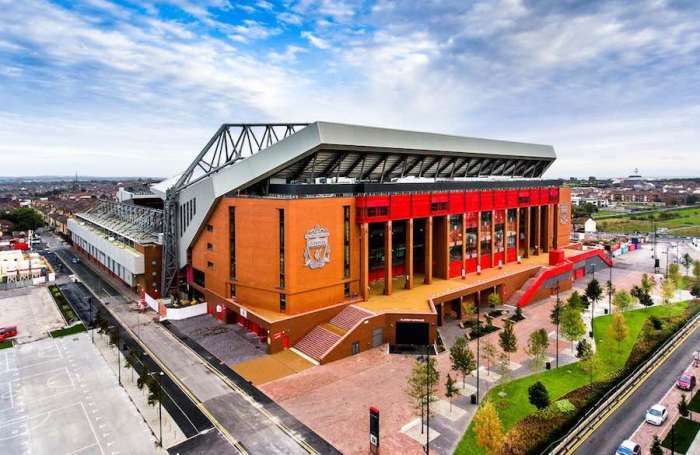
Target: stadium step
x: 317, y: 342
x: 350, y: 316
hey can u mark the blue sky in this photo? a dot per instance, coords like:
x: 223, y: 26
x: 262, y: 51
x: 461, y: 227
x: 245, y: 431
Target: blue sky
x: 137, y: 87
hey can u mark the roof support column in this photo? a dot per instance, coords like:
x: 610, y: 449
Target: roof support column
x: 364, y: 261
x: 538, y: 229
x: 387, y: 258
x: 409, y: 253
x: 464, y: 245
x: 528, y: 230
x: 428, y: 249
x: 478, y: 241
x: 442, y: 262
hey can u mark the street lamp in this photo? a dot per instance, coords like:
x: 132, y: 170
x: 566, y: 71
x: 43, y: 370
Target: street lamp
x: 160, y: 405
x: 426, y: 359
x: 119, y: 362
x: 558, y: 318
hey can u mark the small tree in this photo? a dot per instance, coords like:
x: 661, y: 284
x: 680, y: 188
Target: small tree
x: 618, y: 329
x: 695, y: 290
x: 418, y: 390
x: 462, y: 358
x: 555, y: 318
x: 468, y: 309
x: 450, y: 389
x: 538, y: 395
x: 489, y: 353
x: 683, y: 407
x: 656, y: 448
x: 494, y: 299
x: 609, y: 288
x: 572, y: 325
x: 584, y: 350
x: 594, y: 291
x: 488, y: 429
x: 576, y: 300
x: 503, y: 368
x: 668, y: 291
x: 646, y: 283
x: 507, y: 339
x: 622, y: 300
x: 687, y: 262
x: 674, y: 275
x: 537, y: 344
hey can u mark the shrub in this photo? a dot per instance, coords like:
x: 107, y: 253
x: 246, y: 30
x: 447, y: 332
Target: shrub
x: 538, y: 395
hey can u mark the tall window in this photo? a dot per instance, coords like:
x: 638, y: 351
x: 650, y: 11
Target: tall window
x: 346, y: 241
x: 499, y: 231
x: 281, y: 238
x: 283, y: 303
x: 232, y: 247
x: 455, y: 238
x: 486, y: 233
x: 512, y: 228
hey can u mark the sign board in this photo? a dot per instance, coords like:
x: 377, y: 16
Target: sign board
x: 277, y: 335
x: 374, y: 429
x: 244, y: 312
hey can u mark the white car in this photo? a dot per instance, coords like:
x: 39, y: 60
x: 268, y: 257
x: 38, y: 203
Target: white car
x: 628, y: 447
x: 656, y: 415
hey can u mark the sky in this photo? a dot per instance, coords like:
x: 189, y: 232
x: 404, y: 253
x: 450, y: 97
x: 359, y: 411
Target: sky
x: 137, y: 87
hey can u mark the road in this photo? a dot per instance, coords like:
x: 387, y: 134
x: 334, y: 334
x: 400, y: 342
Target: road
x: 625, y: 420
x: 235, y: 412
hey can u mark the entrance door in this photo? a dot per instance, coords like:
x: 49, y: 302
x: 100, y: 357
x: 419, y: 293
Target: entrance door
x: 377, y: 337
x: 413, y: 333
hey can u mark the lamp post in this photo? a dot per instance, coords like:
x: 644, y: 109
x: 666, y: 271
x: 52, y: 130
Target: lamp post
x: 426, y: 359
x: 478, y: 345
x: 119, y: 362
x: 610, y: 288
x: 558, y: 318
x: 160, y: 405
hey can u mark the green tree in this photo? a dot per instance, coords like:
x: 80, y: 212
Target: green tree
x: 462, y: 358
x: 489, y: 353
x: 488, y: 429
x: 507, y: 339
x: 537, y: 344
x: 656, y: 448
x: 494, y: 299
x: 674, y: 275
x: 618, y: 329
x: 576, y: 300
x: 584, y: 350
x: 423, y: 374
x: 450, y: 389
x: 538, y: 395
x: 696, y: 271
x: 24, y: 218
x: 668, y: 291
x: 572, y: 325
x: 646, y: 283
x: 687, y: 262
x: 503, y: 368
x: 555, y: 318
x: 683, y: 407
x: 594, y: 291
x: 622, y: 300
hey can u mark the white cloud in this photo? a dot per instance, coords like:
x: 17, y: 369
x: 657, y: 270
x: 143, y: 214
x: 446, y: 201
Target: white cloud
x: 252, y: 30
x: 289, y: 18
x: 315, y: 40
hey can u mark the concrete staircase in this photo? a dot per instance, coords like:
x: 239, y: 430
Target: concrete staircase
x: 322, y: 338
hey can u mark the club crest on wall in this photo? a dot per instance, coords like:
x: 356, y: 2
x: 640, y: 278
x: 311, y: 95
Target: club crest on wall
x: 318, y: 251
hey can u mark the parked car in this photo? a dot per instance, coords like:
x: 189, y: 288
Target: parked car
x: 628, y: 447
x: 75, y: 260
x: 8, y: 332
x: 686, y: 381
x: 656, y: 415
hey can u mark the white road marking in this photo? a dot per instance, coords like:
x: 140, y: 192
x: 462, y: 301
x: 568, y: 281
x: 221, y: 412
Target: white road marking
x: 92, y: 429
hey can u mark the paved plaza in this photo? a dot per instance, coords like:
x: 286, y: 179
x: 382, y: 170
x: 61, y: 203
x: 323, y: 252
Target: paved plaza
x: 57, y: 396
x: 32, y: 310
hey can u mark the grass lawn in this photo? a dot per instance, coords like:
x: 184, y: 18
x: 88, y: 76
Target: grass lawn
x: 562, y: 380
x: 685, y: 222
x: 694, y: 404
x: 5, y: 344
x: 683, y: 435
x: 72, y: 330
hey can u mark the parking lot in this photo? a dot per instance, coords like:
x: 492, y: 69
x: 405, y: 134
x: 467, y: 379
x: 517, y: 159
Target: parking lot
x: 57, y: 396
x: 32, y: 310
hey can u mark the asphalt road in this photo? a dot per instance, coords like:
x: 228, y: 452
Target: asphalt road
x: 625, y: 420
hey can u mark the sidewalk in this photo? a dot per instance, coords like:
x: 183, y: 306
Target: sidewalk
x: 236, y: 413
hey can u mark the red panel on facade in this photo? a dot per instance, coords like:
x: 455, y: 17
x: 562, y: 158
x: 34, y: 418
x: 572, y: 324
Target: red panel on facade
x: 535, y: 196
x: 499, y: 257
x: 455, y: 269
x: 421, y: 205
x: 499, y: 199
x: 457, y: 202
x: 471, y: 219
x: 471, y: 265
x: 512, y: 255
x: 512, y: 198
x: 544, y: 195
x: 524, y: 198
x: 554, y: 195
x: 485, y: 261
x: 400, y: 206
x: 472, y: 200
x: 439, y: 203
x: 486, y: 200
